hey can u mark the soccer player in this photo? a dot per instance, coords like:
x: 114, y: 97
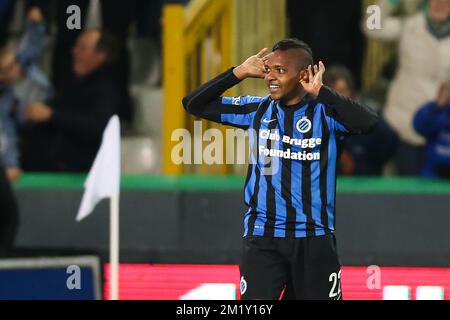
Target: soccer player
x: 289, y: 247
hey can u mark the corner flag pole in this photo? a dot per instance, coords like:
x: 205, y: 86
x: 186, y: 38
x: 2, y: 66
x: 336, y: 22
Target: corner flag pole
x: 103, y: 181
x: 114, y: 248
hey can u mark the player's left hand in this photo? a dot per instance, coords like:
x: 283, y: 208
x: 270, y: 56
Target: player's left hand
x: 312, y: 80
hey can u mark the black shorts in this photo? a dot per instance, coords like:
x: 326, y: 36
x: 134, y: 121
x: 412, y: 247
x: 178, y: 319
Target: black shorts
x: 280, y: 268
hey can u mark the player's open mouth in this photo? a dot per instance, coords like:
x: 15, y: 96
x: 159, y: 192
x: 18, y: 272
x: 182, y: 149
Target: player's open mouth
x: 273, y: 88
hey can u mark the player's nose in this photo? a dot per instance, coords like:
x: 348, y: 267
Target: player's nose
x: 270, y: 76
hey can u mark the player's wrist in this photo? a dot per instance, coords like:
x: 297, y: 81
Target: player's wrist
x: 240, y: 72
x: 316, y: 90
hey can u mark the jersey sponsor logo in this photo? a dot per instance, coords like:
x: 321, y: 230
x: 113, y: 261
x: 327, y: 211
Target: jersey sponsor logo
x: 288, y: 153
x: 236, y: 101
x: 265, y: 120
x: 243, y: 285
x: 303, y: 125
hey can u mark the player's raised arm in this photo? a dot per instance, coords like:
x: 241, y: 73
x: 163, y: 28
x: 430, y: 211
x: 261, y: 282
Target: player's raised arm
x: 206, y: 101
x: 354, y: 116
x: 198, y: 100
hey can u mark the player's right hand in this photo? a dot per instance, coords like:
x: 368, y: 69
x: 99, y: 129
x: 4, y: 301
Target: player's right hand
x: 253, y: 67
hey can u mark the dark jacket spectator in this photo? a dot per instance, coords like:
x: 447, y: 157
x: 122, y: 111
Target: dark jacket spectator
x: 116, y: 17
x: 69, y: 132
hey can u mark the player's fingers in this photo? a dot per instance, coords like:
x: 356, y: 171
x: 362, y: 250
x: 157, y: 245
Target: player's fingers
x: 260, y: 62
x: 267, y: 56
x: 316, y: 69
x: 319, y: 75
x: 310, y: 73
x: 261, y: 66
x: 261, y: 53
x: 321, y: 66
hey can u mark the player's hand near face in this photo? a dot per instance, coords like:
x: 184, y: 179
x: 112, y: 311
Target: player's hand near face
x: 253, y: 67
x: 312, y: 81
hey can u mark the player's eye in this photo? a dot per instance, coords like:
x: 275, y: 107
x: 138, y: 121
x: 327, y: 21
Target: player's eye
x: 267, y: 69
x: 281, y: 70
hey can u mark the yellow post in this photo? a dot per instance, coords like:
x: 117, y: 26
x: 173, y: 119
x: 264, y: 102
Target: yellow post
x: 173, y: 82
x: 201, y: 40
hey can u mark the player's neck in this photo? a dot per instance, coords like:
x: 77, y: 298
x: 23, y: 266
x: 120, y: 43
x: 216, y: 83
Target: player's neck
x: 295, y: 100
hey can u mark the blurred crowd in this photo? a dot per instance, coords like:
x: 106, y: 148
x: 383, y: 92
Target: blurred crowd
x: 413, y: 138
x: 52, y: 120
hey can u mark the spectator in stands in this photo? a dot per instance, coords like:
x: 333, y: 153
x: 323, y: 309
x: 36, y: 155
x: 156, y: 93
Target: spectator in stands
x: 433, y: 122
x: 117, y: 17
x: 423, y: 62
x: 21, y: 82
x: 69, y: 130
x: 361, y: 155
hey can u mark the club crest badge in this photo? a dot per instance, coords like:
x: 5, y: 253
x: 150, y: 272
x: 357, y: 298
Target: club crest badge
x: 303, y: 125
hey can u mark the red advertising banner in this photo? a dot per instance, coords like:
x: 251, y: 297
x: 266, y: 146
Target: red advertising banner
x: 221, y: 282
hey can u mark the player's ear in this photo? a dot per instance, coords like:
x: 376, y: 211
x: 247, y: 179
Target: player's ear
x: 304, y: 76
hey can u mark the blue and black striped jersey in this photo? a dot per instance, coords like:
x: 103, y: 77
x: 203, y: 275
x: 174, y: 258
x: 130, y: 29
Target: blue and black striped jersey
x: 291, y: 181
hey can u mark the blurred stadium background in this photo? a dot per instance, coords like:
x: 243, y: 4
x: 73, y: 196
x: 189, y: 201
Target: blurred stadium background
x: 181, y: 225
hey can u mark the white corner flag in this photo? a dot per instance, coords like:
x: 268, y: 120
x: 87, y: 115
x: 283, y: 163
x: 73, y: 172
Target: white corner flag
x: 103, y: 181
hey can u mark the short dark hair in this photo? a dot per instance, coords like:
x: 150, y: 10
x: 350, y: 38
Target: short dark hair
x: 108, y: 44
x: 294, y: 43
